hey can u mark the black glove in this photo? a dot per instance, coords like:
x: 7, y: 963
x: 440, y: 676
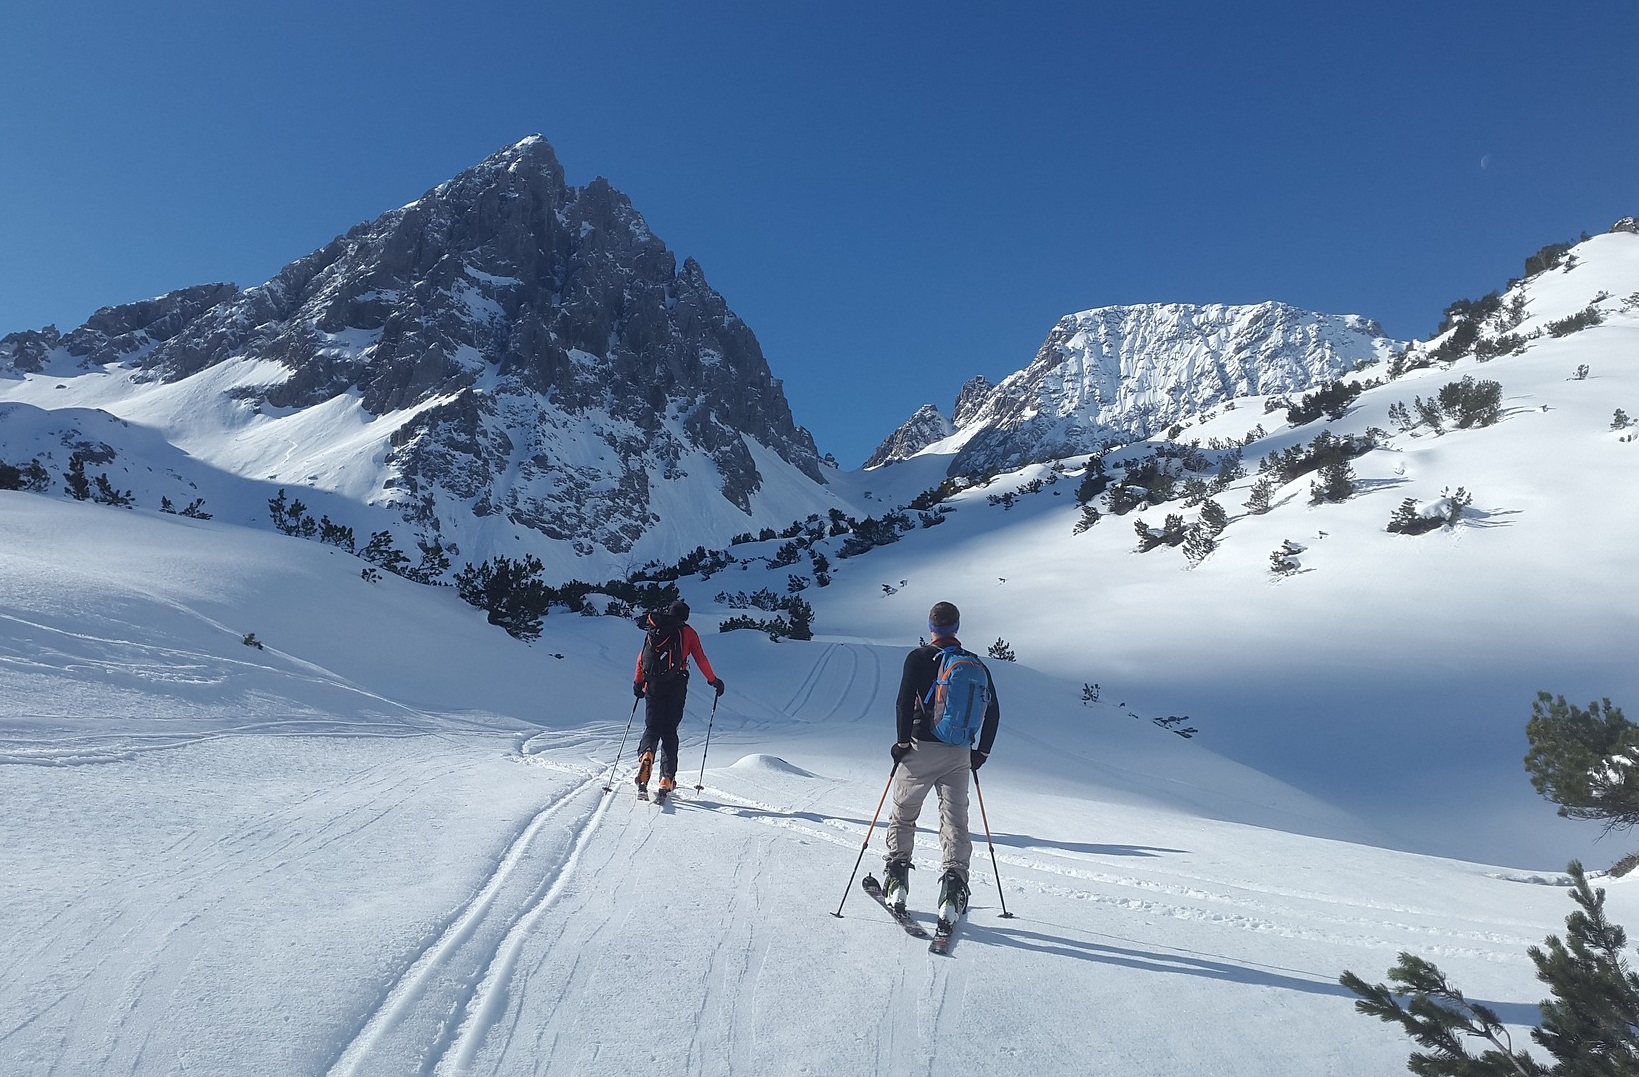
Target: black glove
x: 637, y: 689
x: 899, y: 752
x: 976, y: 759
x: 717, y: 684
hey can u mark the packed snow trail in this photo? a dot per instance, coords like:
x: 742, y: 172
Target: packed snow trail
x: 416, y: 1021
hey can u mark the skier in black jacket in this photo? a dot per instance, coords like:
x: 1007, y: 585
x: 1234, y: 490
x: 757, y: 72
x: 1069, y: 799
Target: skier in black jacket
x: 928, y: 764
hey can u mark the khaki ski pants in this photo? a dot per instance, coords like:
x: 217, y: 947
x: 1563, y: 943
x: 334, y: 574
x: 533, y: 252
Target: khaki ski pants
x: 933, y: 766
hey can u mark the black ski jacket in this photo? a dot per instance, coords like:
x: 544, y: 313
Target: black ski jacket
x: 921, y: 669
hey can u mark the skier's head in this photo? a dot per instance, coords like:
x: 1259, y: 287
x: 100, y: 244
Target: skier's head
x: 944, y: 620
x: 679, y: 611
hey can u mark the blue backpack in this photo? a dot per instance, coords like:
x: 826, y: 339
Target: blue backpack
x: 960, y: 695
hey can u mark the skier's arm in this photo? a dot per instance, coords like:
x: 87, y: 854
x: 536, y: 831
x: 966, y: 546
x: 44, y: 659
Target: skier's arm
x: 909, y: 696
x: 691, y: 644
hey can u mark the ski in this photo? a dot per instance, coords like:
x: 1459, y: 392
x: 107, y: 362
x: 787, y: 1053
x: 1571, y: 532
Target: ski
x: 643, y: 794
x: 942, y: 934
x: 874, y: 888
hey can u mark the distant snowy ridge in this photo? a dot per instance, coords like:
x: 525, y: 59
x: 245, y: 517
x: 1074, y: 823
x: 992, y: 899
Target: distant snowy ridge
x: 1125, y: 373
x: 508, y: 357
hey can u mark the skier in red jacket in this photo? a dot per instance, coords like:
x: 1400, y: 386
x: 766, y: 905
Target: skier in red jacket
x: 662, y: 678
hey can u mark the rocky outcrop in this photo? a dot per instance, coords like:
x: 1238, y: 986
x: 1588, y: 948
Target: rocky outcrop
x: 922, y: 429
x: 548, y: 358
x: 1127, y: 373
x: 1122, y: 374
x: 122, y: 334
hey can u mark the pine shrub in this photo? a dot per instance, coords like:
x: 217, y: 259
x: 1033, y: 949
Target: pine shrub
x: 79, y: 487
x: 1336, y: 483
x: 1408, y: 521
x: 1257, y: 502
x: 1583, y: 760
x: 1586, y: 318
x: 1472, y: 403
x: 1590, y: 1024
x: 1331, y: 400
x: 513, y: 593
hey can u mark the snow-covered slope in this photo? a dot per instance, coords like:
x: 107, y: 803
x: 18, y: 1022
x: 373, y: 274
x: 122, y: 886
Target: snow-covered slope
x: 1392, y: 673
x: 1120, y: 374
x: 378, y: 844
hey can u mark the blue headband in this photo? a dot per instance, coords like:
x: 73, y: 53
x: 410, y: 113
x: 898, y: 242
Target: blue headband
x: 948, y: 631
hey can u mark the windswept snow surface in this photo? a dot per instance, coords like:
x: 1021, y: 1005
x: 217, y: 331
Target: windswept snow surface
x: 379, y: 844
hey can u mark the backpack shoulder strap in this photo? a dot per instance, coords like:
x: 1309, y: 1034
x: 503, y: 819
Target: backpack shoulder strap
x: 939, y: 658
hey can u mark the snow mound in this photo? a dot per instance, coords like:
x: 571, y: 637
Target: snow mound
x: 769, y: 764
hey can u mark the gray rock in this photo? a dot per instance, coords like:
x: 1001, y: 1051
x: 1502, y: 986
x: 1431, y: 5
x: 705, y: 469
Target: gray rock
x: 528, y: 313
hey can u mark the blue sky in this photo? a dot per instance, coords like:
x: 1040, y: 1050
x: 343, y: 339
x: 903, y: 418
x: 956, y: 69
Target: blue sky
x: 894, y: 196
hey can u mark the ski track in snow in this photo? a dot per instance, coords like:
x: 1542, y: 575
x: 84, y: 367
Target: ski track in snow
x: 855, y: 700
x: 465, y: 967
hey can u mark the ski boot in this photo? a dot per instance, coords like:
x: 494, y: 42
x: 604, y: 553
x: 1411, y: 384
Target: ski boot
x: 953, y: 895
x: 644, y: 763
x: 667, y: 785
x: 896, y: 883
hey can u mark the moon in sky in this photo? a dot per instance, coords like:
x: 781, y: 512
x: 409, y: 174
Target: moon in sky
x: 1485, y: 162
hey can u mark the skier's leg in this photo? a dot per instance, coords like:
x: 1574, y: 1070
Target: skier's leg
x: 910, y: 789
x: 653, y: 724
x: 955, y: 842
x: 668, y: 732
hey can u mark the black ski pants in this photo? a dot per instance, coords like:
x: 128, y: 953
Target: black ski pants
x: 663, y: 715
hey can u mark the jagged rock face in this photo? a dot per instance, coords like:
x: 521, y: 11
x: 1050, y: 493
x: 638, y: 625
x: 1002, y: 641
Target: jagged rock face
x: 922, y: 429
x: 1122, y: 374
x: 561, y: 361
x: 970, y: 399
x: 29, y: 351
x: 929, y: 425
x: 121, y: 334
x: 1127, y: 373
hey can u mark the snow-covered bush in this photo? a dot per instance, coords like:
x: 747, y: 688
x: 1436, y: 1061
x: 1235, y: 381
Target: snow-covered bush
x: 1283, y: 559
x: 1408, y: 519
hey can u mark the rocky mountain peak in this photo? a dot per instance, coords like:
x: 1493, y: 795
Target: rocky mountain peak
x: 922, y: 429
x: 1121, y: 374
x: 545, y: 359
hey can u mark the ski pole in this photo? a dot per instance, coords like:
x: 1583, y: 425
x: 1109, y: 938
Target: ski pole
x: 608, y: 783
x: 699, y: 785
x: 1005, y: 914
x: 861, y: 859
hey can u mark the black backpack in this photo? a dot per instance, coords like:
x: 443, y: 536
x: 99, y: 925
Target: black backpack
x: 664, y: 659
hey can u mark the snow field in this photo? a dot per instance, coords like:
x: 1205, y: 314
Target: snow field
x: 382, y: 846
